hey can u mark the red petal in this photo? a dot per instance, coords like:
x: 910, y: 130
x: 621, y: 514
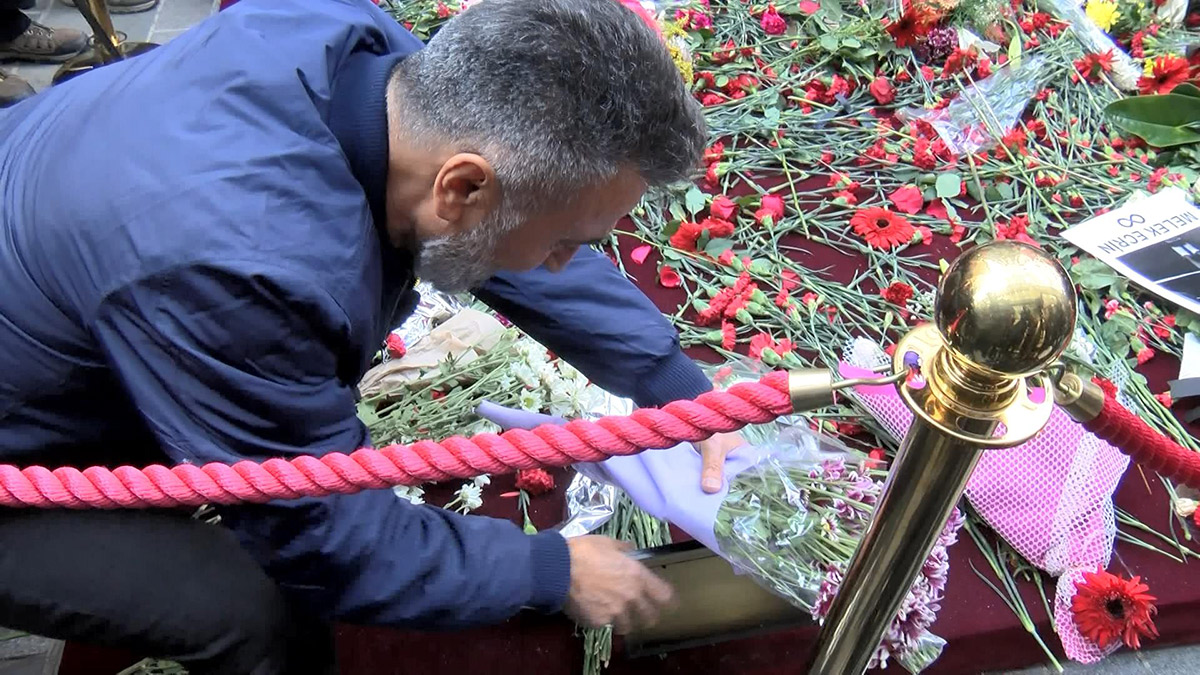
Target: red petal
x: 638, y: 255
x: 668, y: 277
x: 809, y: 7
x: 907, y: 199
x: 937, y: 209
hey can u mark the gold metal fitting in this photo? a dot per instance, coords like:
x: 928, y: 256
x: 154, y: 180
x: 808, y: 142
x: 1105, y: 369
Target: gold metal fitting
x: 810, y: 388
x: 1005, y: 312
x: 1081, y: 399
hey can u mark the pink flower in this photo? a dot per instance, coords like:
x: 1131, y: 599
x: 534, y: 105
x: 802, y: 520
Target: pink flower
x: 809, y: 7
x: 772, y: 23
x: 638, y: 255
x: 771, y: 205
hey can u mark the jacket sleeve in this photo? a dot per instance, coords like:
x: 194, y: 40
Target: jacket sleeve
x: 596, y: 319
x: 226, y: 365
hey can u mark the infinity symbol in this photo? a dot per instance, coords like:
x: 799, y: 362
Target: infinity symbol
x: 1135, y: 219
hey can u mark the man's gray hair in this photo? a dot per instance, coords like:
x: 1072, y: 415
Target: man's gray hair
x: 556, y: 94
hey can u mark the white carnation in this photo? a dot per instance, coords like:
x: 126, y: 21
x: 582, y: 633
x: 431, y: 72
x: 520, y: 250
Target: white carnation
x: 531, y: 401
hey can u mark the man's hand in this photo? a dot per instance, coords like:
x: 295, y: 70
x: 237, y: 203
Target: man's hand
x: 713, y: 453
x: 610, y: 588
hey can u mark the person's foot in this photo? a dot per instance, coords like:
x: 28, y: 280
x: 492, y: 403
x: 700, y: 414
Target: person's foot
x: 123, y: 6
x: 42, y: 43
x: 13, y: 89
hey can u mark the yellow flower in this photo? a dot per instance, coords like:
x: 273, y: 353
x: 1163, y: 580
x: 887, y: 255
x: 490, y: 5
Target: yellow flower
x: 676, y: 39
x: 1103, y: 12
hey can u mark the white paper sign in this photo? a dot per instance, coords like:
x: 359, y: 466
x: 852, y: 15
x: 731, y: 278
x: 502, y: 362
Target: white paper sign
x: 1154, y: 241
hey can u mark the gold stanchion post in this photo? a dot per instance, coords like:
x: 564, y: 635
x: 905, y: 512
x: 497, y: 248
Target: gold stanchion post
x: 1004, y: 312
x: 108, y: 46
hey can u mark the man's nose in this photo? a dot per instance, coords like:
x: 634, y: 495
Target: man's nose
x: 559, y: 258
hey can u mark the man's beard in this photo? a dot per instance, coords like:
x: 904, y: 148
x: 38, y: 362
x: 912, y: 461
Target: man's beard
x: 460, y: 262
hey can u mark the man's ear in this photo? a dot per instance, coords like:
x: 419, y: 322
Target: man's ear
x: 464, y: 192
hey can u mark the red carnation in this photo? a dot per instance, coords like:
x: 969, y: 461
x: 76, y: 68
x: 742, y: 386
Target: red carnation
x: 772, y: 23
x: 899, y: 293
x: 395, y: 346
x: 883, y: 91
x: 723, y: 207
x: 535, y: 481
x: 770, y: 205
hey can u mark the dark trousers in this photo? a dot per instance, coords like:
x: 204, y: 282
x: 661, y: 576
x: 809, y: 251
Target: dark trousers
x: 12, y: 21
x: 158, y: 584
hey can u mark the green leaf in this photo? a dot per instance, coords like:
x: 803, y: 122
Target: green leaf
x: 718, y: 246
x: 1014, y: 51
x: 1093, y: 274
x: 677, y: 213
x: 829, y: 42
x: 1116, y: 332
x: 851, y: 43
x: 1163, y: 120
x: 694, y: 200
x: 771, y: 115
x: 671, y: 254
x: 948, y: 185
x: 1187, y: 89
x: 1005, y: 190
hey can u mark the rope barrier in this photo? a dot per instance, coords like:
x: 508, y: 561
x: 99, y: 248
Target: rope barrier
x: 158, y: 486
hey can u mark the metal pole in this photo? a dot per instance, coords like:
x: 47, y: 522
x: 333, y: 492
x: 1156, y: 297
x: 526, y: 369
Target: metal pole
x: 1005, y: 311
x: 929, y: 475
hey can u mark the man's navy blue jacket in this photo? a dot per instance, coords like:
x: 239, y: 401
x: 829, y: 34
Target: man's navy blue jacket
x: 192, y: 270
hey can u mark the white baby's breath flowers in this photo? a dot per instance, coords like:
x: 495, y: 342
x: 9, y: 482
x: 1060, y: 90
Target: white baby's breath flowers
x: 482, y: 481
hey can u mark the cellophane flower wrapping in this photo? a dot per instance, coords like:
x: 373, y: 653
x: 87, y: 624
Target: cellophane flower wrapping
x: 792, y: 521
x: 986, y: 110
x: 1125, y: 72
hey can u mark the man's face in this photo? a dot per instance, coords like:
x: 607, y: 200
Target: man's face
x: 501, y: 242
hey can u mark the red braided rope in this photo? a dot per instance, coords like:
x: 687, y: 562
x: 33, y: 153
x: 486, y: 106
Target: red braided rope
x: 424, y: 461
x: 1128, y: 433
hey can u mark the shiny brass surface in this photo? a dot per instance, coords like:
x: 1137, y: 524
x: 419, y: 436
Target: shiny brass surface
x: 950, y: 398
x: 810, y: 388
x: 930, y: 473
x: 1006, y: 307
x: 1005, y: 311
x: 1081, y: 399
x: 108, y: 46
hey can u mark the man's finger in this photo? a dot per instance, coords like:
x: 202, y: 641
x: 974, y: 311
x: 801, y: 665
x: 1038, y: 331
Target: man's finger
x: 659, y: 591
x: 712, y: 456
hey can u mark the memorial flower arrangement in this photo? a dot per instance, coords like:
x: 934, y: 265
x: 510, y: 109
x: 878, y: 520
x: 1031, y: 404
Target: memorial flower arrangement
x: 887, y: 136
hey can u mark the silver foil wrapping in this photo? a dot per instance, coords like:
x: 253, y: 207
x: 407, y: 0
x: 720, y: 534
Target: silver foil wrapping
x: 590, y: 501
x: 434, y: 308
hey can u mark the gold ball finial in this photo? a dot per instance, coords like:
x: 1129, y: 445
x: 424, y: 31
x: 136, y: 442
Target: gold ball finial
x: 1006, y: 307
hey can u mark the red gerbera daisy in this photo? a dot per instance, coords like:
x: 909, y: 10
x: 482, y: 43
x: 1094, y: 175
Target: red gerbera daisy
x: 1108, y: 608
x: 1092, y: 65
x: 1169, y: 72
x: 882, y: 228
x: 916, y: 22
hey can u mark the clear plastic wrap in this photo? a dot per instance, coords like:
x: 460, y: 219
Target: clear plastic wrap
x: 792, y: 521
x: 1125, y: 72
x: 985, y: 110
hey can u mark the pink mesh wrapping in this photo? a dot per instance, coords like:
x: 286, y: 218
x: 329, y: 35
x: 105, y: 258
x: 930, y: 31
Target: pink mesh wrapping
x: 1050, y: 498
